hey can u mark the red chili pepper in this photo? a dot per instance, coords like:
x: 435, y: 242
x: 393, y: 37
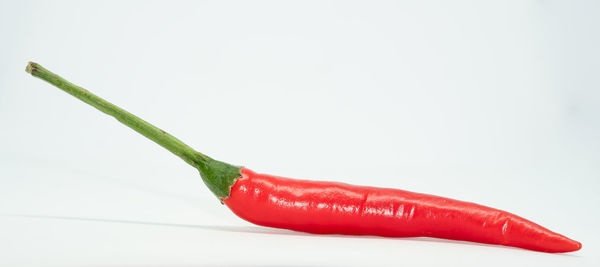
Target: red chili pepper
x: 336, y: 208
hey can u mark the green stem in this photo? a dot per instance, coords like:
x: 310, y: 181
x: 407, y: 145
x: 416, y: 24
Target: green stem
x: 217, y: 175
x: 153, y: 133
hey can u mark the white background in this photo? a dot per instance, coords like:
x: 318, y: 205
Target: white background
x: 495, y: 103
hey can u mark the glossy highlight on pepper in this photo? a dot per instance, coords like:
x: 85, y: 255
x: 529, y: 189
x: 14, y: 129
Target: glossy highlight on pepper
x: 335, y: 208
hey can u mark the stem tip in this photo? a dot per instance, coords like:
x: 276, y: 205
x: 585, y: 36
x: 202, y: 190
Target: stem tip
x: 31, y: 67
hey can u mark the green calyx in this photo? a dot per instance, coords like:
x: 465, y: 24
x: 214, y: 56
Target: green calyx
x: 218, y: 176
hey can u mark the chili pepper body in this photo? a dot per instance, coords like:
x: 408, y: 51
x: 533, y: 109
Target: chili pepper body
x: 338, y: 208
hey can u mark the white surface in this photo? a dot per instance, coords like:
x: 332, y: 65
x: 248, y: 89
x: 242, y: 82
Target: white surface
x: 494, y: 103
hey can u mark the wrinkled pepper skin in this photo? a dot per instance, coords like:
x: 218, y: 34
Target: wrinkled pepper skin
x: 338, y: 208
